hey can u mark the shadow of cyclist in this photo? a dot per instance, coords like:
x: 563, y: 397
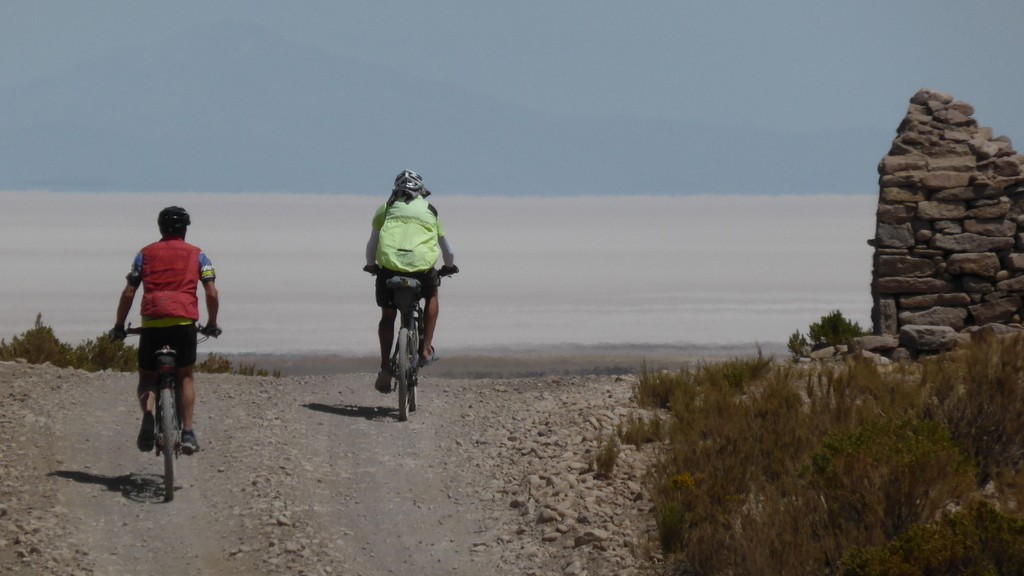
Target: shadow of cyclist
x: 372, y: 413
x: 135, y: 487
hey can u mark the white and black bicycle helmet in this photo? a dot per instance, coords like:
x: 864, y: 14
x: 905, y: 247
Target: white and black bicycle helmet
x: 409, y: 183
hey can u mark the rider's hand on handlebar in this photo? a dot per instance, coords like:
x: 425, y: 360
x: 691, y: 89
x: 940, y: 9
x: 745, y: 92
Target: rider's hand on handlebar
x: 448, y: 270
x: 371, y: 268
x: 211, y: 331
x: 117, y: 333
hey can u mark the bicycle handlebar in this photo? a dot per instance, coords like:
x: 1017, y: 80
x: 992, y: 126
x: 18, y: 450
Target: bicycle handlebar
x: 115, y: 334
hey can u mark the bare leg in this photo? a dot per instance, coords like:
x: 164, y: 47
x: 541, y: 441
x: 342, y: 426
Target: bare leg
x: 186, y: 395
x: 386, y: 334
x: 146, y: 390
x: 429, y: 322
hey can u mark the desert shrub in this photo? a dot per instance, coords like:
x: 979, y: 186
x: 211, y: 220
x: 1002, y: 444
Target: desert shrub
x: 250, y: 369
x: 103, y: 353
x: 886, y: 476
x: 606, y: 457
x: 37, y: 345
x: 664, y: 389
x: 786, y: 470
x: 733, y: 452
x: 737, y: 372
x: 656, y: 389
x: 638, y: 431
x: 798, y: 345
x: 844, y: 397
x: 978, y: 540
x: 674, y: 523
x: 979, y: 395
x: 215, y: 364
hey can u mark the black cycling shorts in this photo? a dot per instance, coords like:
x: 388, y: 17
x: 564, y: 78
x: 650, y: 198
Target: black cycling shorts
x: 428, y: 285
x: 182, y: 338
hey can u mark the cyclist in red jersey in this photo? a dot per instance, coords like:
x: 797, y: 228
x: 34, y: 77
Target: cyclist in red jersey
x: 169, y: 272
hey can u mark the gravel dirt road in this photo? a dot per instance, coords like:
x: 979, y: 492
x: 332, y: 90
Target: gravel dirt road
x: 315, y: 475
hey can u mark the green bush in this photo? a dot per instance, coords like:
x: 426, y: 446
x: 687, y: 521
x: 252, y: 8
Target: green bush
x: 832, y: 330
x: 102, y: 353
x: 976, y: 541
x: 887, y: 476
x: 37, y: 345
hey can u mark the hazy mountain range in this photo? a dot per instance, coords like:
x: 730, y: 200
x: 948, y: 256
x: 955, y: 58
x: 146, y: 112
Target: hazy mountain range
x: 230, y: 107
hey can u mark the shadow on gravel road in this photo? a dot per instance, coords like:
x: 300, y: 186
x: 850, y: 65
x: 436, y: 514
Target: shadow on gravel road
x: 375, y: 413
x: 135, y: 487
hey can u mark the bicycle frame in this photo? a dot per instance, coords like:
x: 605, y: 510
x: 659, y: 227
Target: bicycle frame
x: 409, y: 342
x: 167, y: 379
x: 168, y: 416
x: 407, y: 301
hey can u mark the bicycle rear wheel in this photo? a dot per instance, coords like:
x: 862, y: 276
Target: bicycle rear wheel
x: 169, y: 439
x: 414, y: 364
x: 404, y: 368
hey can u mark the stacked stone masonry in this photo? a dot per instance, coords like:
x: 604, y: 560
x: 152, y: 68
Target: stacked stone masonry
x: 949, y: 238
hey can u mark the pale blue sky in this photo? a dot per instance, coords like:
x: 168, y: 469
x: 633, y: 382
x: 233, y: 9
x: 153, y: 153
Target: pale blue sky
x: 796, y: 65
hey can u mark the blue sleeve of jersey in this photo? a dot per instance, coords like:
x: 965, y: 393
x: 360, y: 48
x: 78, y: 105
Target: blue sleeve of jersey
x: 206, y: 271
x: 134, y: 276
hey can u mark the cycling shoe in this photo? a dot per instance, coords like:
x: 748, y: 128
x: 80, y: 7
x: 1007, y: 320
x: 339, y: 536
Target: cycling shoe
x: 383, y: 383
x: 424, y: 362
x: 189, y: 444
x: 147, y: 437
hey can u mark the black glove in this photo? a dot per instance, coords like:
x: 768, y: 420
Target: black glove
x: 211, y: 331
x: 448, y: 270
x: 117, y: 333
x: 371, y: 268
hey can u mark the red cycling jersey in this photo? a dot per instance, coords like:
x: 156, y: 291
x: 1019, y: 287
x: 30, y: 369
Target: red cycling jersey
x: 170, y: 273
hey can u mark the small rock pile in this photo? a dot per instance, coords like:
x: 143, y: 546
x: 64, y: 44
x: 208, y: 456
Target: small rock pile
x: 949, y: 256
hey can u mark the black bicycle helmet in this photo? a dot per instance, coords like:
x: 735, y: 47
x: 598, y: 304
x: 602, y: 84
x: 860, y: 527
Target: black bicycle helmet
x: 173, y: 221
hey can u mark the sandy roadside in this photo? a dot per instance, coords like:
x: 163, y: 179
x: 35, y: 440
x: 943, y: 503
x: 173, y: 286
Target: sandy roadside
x: 521, y: 362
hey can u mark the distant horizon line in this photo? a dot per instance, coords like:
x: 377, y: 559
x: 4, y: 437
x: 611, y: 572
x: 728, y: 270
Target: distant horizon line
x: 384, y: 191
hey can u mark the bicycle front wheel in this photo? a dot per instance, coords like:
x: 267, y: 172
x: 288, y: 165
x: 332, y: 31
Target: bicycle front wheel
x: 405, y: 358
x: 169, y: 437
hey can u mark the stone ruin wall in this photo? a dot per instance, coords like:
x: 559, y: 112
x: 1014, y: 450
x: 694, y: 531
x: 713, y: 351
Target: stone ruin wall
x: 949, y: 238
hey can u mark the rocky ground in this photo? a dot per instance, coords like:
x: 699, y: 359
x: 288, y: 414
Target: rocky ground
x: 315, y: 475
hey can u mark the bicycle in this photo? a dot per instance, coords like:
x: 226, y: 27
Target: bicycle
x: 168, y: 411
x: 408, y: 349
